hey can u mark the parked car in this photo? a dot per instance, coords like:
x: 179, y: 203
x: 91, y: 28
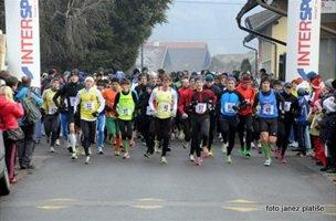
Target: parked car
x: 4, y: 179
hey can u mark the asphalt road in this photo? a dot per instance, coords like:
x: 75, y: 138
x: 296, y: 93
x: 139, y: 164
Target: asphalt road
x: 139, y: 189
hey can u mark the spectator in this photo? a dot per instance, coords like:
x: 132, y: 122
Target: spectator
x: 9, y: 115
x: 26, y: 147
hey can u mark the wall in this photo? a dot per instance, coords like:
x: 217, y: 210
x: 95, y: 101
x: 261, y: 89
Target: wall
x: 2, y: 50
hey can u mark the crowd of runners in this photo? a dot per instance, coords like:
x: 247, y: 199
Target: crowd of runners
x: 102, y: 111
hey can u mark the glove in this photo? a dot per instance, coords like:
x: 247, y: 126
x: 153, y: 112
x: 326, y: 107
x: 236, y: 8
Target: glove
x: 184, y: 116
x: 95, y: 114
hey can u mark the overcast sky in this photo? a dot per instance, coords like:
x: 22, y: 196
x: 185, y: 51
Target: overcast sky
x: 212, y: 21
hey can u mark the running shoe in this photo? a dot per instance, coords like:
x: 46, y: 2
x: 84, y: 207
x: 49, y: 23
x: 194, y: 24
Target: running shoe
x: 211, y: 154
x: 163, y: 160
x: 52, y: 150
x: 284, y: 160
x: 147, y: 155
x: 100, y: 150
x: 268, y: 162
x: 242, y: 151
x: 199, y: 161
x: 224, y: 146
x: 87, y: 160
x: 58, y: 142
x: 191, y: 158
x: 126, y: 156
x: 229, y: 160
x: 248, y: 154
x: 74, y: 156
x: 185, y: 145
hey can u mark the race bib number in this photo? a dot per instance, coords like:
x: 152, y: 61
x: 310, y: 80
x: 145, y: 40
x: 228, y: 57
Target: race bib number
x: 52, y: 110
x: 72, y: 101
x: 228, y: 107
x: 201, y: 108
x: 287, y: 106
x: 149, y: 111
x: 164, y: 107
x: 268, y: 109
x: 88, y: 106
x: 125, y: 111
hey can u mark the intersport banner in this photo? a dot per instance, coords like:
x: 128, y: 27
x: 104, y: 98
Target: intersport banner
x: 303, y: 38
x: 23, y: 39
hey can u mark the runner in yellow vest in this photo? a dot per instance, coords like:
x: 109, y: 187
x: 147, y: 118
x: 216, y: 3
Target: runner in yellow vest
x: 91, y: 103
x: 163, y: 101
x: 124, y: 106
x: 51, y: 115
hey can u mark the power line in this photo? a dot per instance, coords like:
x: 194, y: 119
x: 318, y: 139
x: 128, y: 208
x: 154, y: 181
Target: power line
x: 208, y: 2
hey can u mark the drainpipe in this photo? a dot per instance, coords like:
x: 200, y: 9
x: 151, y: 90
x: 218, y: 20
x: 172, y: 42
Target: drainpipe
x: 275, y: 54
x: 248, y: 7
x: 284, y: 13
x: 255, y: 55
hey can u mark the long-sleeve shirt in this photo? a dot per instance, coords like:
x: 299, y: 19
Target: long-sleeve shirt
x: 202, y: 102
x: 24, y: 92
x: 184, y: 100
x: 90, y: 101
x: 248, y: 95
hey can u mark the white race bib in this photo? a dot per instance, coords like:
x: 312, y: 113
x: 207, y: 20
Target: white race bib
x: 287, y: 106
x: 201, y: 108
x: 164, y: 107
x: 52, y: 110
x: 88, y: 106
x: 228, y: 107
x: 149, y: 111
x: 268, y: 109
x: 72, y: 101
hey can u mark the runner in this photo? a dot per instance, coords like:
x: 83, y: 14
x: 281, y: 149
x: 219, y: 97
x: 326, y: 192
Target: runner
x: 202, y: 103
x: 245, y: 127
x: 148, y: 120
x: 163, y: 102
x: 124, y: 106
x: 112, y: 127
x: 101, y: 121
x: 90, y: 104
x: 213, y: 114
x: 51, y: 115
x: 230, y: 103
x: 66, y: 106
x: 290, y: 110
x: 185, y: 94
x: 268, y: 113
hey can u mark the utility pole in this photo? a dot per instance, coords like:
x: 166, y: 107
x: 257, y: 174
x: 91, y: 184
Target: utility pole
x: 142, y: 56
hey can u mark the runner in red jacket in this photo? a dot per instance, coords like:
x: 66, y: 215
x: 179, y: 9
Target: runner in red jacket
x: 185, y: 94
x: 245, y: 114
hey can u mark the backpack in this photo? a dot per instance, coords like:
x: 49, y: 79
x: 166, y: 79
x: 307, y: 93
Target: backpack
x: 32, y: 111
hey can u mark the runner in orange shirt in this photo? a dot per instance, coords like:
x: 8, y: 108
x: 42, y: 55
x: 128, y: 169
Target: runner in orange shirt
x: 111, y: 120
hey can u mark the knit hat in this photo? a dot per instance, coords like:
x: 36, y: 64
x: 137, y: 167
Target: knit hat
x: 89, y: 79
x: 209, y: 78
x: 288, y: 85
